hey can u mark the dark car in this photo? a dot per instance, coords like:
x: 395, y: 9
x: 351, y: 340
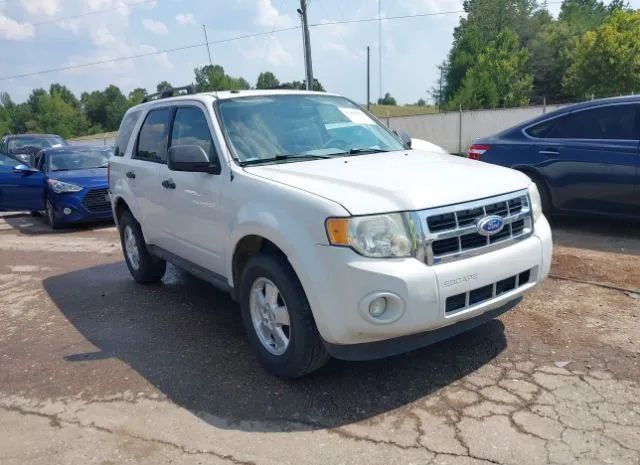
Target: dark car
x: 23, y: 147
x: 584, y: 158
x: 70, y: 183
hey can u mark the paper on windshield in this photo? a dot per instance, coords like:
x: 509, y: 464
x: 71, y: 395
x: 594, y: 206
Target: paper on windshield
x: 356, y: 116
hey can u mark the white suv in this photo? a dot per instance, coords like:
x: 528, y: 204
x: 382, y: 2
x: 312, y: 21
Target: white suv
x: 336, y: 238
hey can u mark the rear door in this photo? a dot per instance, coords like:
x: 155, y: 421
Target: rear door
x: 590, y: 158
x: 20, y: 191
x: 148, y: 155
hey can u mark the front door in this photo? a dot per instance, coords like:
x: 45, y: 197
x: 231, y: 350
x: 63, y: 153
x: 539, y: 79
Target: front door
x: 194, y: 217
x: 20, y: 191
x: 591, y: 159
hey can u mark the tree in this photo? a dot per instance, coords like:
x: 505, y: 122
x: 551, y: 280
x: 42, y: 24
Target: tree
x: 163, y: 85
x: 136, y: 95
x: 485, y: 19
x: 267, y: 80
x: 105, y: 109
x: 606, y: 60
x: 213, y: 78
x: 421, y: 103
x: 65, y: 94
x: 551, y: 54
x: 387, y: 100
x: 499, y: 76
x: 302, y: 85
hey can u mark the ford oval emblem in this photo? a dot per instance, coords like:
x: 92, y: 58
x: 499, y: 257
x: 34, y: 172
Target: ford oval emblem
x: 490, y: 225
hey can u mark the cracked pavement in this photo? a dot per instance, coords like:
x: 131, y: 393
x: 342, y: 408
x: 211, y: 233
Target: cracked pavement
x: 97, y: 369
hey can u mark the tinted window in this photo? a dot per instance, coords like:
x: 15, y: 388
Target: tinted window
x: 190, y: 127
x: 154, y: 134
x: 610, y: 122
x: 124, y: 133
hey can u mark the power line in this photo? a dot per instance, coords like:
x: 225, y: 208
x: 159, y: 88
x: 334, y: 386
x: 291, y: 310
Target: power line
x: 222, y: 41
x: 90, y: 13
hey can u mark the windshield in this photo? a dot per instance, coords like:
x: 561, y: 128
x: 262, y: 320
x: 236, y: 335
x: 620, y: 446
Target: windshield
x: 35, y: 141
x: 300, y: 126
x: 78, y: 160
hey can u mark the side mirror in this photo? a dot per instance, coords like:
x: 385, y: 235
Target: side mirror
x: 404, y: 137
x: 24, y: 170
x: 191, y: 158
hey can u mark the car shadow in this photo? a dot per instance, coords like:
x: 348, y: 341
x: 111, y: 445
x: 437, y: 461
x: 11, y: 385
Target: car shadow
x: 604, y: 235
x: 37, y: 225
x: 187, y: 339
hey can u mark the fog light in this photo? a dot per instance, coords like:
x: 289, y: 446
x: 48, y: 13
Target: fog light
x: 377, y: 307
x: 66, y: 211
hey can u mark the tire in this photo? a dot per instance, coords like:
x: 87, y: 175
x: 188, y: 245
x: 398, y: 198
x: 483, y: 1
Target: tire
x: 545, y: 197
x: 52, y: 218
x: 304, y: 351
x: 144, y: 267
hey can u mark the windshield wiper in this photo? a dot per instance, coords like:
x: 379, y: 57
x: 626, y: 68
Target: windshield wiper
x: 362, y: 151
x: 281, y: 157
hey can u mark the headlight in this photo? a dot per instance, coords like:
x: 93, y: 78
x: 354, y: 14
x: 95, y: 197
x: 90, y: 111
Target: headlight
x: 379, y: 236
x: 536, y: 203
x: 60, y: 187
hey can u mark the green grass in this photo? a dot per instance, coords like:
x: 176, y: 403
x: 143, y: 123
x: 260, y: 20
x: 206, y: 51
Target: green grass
x: 382, y: 111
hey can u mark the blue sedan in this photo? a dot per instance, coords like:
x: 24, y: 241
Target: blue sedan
x: 584, y: 158
x: 69, y: 183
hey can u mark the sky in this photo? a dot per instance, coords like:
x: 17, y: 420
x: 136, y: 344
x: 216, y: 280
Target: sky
x: 32, y: 38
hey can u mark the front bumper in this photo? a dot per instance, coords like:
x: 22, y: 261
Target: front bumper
x: 347, y: 282
x: 77, y: 212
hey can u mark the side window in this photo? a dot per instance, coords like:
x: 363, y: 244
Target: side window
x: 190, y: 127
x: 541, y: 130
x: 5, y: 160
x: 124, y: 133
x: 609, y: 122
x: 153, y: 137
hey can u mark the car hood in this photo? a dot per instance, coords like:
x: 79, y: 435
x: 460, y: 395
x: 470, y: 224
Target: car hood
x: 96, y: 177
x: 395, y: 181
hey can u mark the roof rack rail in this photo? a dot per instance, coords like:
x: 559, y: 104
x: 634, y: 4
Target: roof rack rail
x: 172, y: 92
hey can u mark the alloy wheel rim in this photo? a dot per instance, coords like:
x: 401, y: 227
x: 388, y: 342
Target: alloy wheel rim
x: 270, y: 316
x: 131, y: 248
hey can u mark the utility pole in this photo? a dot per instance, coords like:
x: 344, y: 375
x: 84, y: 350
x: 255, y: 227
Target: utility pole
x: 206, y: 40
x: 440, y: 90
x: 380, y: 47
x: 306, y: 40
x: 368, y: 80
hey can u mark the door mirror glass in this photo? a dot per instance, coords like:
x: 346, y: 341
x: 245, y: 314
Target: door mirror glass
x: 191, y: 158
x: 24, y: 169
x: 404, y: 137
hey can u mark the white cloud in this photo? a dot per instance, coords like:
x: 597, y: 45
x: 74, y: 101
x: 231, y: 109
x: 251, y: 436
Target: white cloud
x: 271, y: 52
x: 46, y: 7
x: 11, y: 29
x: 185, y: 18
x: 268, y: 16
x: 155, y: 27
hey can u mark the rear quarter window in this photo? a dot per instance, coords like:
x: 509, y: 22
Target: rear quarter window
x: 124, y: 133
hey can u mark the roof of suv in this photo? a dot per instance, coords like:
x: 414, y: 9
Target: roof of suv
x: 229, y: 94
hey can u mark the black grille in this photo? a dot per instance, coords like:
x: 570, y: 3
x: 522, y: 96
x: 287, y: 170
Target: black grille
x: 515, y: 205
x: 441, y: 222
x: 481, y: 294
x: 467, y: 217
x: 445, y: 246
x: 517, y: 227
x: 504, y: 234
x: 96, y: 201
x: 456, y: 302
x: 472, y: 241
x: 499, y: 208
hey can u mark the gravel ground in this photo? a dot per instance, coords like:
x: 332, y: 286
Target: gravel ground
x: 97, y: 369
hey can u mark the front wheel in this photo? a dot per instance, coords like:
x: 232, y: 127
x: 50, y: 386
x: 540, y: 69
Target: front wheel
x: 278, y: 319
x: 52, y: 216
x: 144, y: 267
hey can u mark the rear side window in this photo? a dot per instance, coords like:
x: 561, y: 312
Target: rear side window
x: 190, y: 127
x: 124, y: 133
x: 154, y: 135
x: 610, y: 122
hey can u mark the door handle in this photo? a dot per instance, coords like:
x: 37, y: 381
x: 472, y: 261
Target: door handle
x: 549, y: 152
x: 168, y: 184
x: 130, y: 174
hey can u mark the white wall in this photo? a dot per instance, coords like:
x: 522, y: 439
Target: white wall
x: 443, y: 129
